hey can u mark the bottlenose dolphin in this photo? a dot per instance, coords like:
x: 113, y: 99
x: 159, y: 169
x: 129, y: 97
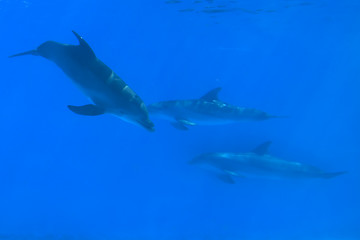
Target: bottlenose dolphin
x: 207, y: 110
x: 258, y: 163
x: 108, y: 92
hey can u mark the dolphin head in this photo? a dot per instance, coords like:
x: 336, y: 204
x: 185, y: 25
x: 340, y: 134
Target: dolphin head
x: 139, y: 116
x: 132, y: 109
x: 146, y: 123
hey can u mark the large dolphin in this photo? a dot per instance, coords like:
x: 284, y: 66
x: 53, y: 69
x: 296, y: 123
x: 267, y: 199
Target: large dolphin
x: 259, y: 164
x: 108, y: 92
x: 207, y: 110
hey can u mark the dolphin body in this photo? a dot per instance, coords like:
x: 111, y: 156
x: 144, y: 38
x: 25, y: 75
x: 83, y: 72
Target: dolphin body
x: 207, y: 110
x: 108, y: 92
x: 258, y: 163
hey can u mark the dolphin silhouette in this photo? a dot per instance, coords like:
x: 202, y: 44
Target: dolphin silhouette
x: 108, y: 92
x: 207, y: 110
x: 258, y: 163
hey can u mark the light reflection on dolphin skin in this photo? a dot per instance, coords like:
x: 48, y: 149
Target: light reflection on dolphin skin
x: 108, y: 92
x: 207, y: 110
x: 258, y: 163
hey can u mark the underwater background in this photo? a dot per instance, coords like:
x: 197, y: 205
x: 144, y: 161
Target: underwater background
x: 65, y: 176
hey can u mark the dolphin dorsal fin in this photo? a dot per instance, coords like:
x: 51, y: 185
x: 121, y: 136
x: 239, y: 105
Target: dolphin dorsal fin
x: 262, y: 148
x: 211, y: 95
x: 84, y: 44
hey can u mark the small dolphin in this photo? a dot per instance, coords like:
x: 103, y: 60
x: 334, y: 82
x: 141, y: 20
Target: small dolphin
x: 258, y: 163
x: 207, y: 110
x: 109, y: 93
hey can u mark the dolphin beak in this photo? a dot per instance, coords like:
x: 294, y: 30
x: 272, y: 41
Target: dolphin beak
x: 31, y: 52
x: 148, y: 125
x: 150, y: 129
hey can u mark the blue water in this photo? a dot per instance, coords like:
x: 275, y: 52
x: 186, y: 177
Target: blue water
x: 65, y: 176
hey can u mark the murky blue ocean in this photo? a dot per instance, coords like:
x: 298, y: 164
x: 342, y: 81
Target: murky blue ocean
x: 230, y: 66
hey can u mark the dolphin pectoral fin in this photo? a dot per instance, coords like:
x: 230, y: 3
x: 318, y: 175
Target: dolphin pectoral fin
x: 87, y: 110
x: 186, y: 122
x: 182, y: 124
x: 226, y: 178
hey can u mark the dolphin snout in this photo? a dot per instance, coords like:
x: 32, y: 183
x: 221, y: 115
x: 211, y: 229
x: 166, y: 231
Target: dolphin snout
x: 147, y: 124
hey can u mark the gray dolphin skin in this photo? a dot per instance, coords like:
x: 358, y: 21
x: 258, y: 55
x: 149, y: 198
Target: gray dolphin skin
x: 207, y: 110
x: 108, y: 92
x: 257, y: 163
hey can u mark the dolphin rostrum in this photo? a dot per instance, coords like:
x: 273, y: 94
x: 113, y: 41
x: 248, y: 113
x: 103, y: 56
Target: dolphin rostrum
x: 207, y: 110
x: 258, y: 163
x: 108, y: 92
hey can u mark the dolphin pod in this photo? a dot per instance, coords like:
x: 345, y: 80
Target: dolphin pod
x: 110, y: 94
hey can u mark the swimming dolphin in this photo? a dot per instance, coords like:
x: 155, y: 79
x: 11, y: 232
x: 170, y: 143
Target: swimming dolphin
x: 108, y: 92
x: 258, y: 163
x: 207, y: 110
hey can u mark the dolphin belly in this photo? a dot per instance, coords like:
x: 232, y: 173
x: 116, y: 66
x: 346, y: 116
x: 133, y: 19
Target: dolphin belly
x: 99, y: 92
x: 106, y: 90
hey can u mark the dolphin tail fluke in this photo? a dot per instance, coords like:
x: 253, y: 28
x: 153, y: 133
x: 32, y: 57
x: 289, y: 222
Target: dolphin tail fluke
x: 87, y: 110
x: 182, y: 124
x: 31, y: 52
x: 332, y: 175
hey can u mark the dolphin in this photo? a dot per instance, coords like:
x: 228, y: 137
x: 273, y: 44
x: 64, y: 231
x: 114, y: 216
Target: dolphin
x: 258, y: 163
x: 207, y: 110
x: 108, y: 92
